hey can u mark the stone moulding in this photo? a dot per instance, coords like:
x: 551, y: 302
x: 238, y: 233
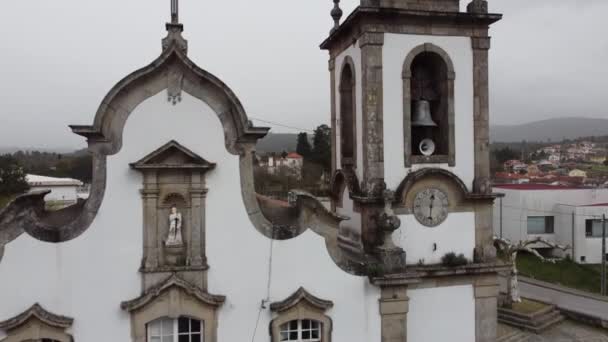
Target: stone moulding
x: 413, y: 177
x: 301, y: 295
x: 38, y: 312
x: 148, y: 162
x: 173, y: 281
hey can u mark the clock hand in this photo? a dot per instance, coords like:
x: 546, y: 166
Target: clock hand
x: 431, y: 207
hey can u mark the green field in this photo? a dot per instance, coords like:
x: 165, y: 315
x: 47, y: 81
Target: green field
x: 4, y: 200
x: 564, y: 272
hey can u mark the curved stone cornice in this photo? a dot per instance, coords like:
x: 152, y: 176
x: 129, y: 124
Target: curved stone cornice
x: 413, y: 177
x: 301, y: 295
x: 175, y: 72
x: 172, y: 281
x: 37, y: 311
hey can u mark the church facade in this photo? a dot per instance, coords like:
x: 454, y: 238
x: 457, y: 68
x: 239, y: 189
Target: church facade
x: 174, y: 244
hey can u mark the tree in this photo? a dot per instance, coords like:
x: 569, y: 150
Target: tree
x: 12, y: 177
x: 504, y: 154
x: 321, y: 149
x: 510, y: 250
x: 303, y: 148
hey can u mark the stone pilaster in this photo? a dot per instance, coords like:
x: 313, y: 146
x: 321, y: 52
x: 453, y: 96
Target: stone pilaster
x: 371, y: 44
x: 149, y: 195
x: 197, y: 198
x: 481, y: 107
x: 394, y: 306
x: 334, y: 124
x: 486, y: 311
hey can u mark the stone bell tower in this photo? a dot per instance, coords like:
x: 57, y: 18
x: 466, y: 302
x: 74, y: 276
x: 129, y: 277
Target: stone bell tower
x: 410, y: 125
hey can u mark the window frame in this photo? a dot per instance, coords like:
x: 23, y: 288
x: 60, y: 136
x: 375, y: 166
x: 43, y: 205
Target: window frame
x: 589, y: 232
x: 300, y: 330
x: 549, y: 224
x: 175, y: 329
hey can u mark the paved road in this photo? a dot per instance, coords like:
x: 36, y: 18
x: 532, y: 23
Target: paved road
x: 567, y: 331
x: 565, y: 298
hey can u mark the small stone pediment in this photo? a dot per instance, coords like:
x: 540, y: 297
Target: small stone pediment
x: 173, y: 281
x: 299, y: 296
x: 37, y: 312
x: 173, y: 155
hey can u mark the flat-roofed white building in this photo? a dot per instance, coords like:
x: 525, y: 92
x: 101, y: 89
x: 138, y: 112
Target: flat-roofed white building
x: 63, y: 190
x: 563, y: 215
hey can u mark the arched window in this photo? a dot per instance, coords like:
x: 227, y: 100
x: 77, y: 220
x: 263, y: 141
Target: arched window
x: 428, y: 94
x: 347, y: 114
x: 182, y: 329
x: 301, y: 330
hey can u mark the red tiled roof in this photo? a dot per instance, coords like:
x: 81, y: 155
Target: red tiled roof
x: 294, y: 155
x: 535, y: 187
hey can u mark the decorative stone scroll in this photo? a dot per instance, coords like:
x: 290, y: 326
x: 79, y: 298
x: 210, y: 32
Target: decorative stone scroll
x: 173, y: 197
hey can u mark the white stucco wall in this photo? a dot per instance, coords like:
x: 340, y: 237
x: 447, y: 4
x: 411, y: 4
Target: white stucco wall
x: 396, y: 48
x: 456, y: 234
x: 517, y: 205
x: 353, y: 52
x: 442, y: 314
x: 89, y: 277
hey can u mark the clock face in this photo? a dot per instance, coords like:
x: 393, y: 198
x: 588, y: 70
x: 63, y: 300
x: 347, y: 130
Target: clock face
x: 431, y: 207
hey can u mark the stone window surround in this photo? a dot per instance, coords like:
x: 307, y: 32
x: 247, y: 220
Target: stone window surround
x: 410, y: 159
x: 348, y: 62
x: 174, y: 298
x: 301, y: 305
x: 36, y: 323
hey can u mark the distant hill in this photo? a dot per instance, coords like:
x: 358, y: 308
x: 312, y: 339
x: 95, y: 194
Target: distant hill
x: 551, y: 129
x: 277, y: 143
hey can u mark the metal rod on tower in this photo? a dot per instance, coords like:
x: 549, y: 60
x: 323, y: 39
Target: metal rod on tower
x: 603, y: 290
x: 174, y: 11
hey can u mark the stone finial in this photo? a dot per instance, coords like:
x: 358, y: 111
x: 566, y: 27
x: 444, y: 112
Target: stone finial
x: 477, y: 6
x: 174, y: 11
x: 336, y: 14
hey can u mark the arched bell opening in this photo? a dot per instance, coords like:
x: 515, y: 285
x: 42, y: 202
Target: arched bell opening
x: 347, y: 114
x: 428, y: 84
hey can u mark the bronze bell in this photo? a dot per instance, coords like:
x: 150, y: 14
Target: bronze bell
x: 422, y: 114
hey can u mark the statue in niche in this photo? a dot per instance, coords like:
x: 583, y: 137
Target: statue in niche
x: 175, y: 228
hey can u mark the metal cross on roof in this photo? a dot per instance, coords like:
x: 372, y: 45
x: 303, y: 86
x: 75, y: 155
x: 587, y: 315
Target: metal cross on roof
x: 174, y: 11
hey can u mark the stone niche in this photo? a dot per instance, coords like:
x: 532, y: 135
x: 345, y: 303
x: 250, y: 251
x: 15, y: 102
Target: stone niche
x: 173, y: 198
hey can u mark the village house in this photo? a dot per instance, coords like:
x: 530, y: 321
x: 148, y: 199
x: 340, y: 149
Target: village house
x: 62, y: 191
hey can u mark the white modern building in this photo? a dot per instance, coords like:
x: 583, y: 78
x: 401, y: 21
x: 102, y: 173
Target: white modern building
x: 564, y: 215
x: 62, y: 190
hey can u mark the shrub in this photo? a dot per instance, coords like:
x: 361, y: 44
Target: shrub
x: 453, y: 260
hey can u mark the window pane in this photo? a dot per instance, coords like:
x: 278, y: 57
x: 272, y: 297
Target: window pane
x: 154, y: 328
x: 183, y: 338
x: 183, y: 325
x: 306, y: 334
x: 168, y: 338
x: 284, y: 336
x: 293, y: 336
x: 155, y: 339
x: 293, y: 325
x: 196, y: 338
x: 306, y: 324
x: 195, y: 325
x: 540, y: 225
x: 167, y: 327
x: 315, y: 334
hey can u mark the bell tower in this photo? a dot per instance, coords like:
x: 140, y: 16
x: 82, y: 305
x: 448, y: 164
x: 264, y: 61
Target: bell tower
x: 410, y: 125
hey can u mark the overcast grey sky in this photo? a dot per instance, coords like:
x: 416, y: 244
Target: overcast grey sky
x: 59, y: 58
